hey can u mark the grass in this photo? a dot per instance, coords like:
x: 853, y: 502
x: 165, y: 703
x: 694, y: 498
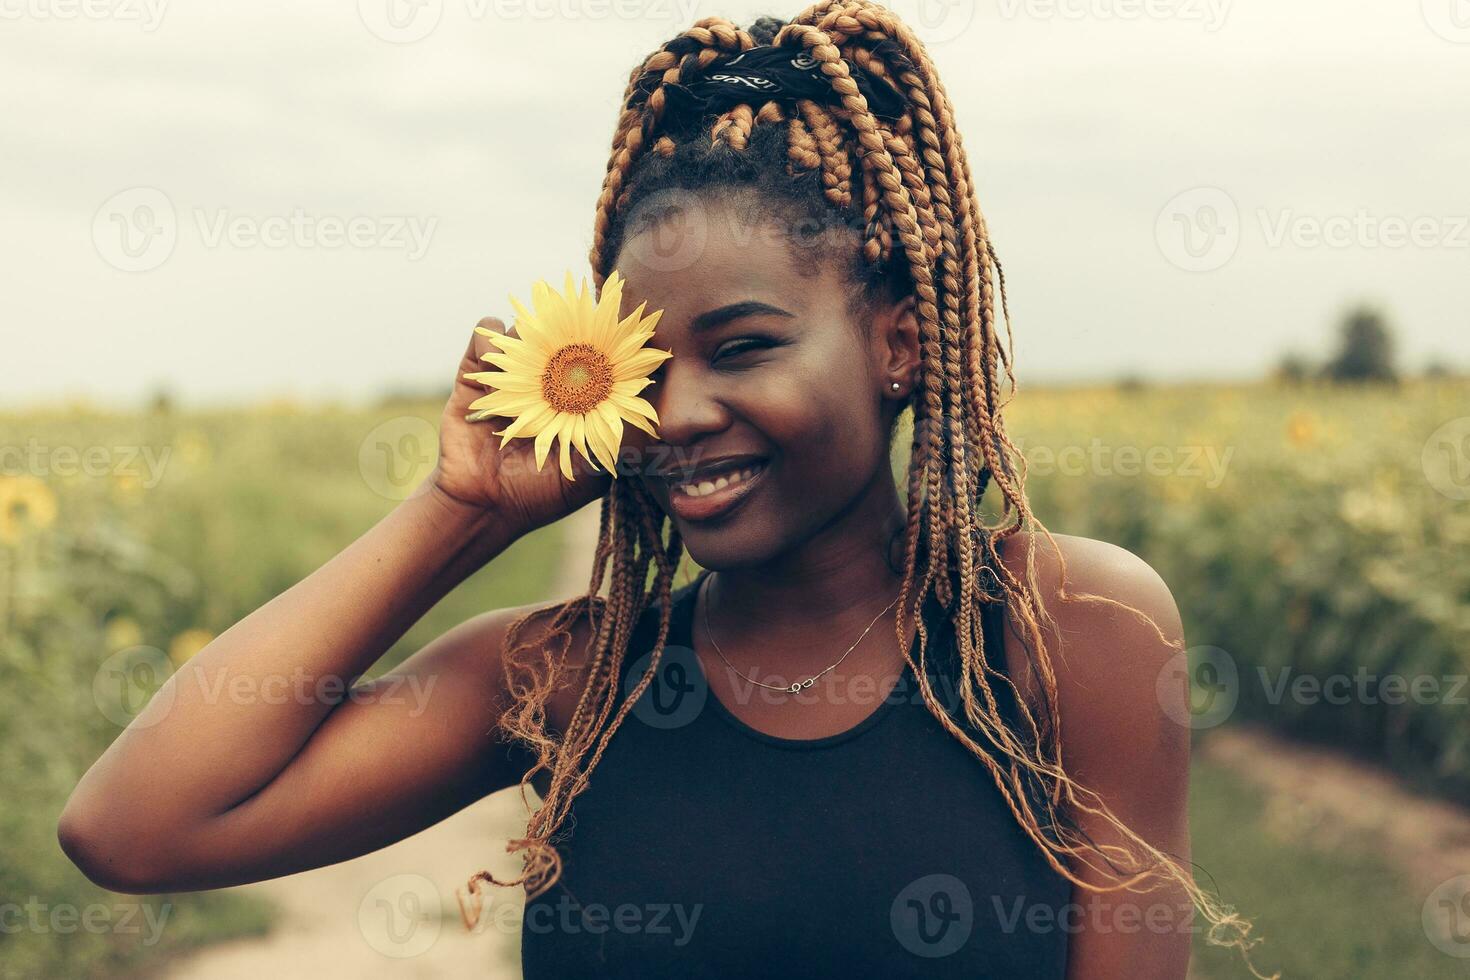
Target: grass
x: 1324, y: 910
x: 138, y: 559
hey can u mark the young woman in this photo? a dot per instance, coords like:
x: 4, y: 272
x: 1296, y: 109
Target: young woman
x: 874, y: 736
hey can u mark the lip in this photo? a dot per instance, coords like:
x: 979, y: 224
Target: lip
x: 717, y: 504
x: 718, y: 465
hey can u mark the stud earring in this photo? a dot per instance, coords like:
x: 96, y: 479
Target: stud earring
x: 895, y: 386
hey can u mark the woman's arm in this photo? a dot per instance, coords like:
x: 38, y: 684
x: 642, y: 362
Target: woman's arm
x: 254, y: 761
x: 248, y: 764
x: 1122, y: 742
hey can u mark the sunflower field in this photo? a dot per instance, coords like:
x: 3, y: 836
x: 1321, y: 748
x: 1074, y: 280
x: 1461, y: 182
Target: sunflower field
x: 127, y: 541
x: 1314, y: 538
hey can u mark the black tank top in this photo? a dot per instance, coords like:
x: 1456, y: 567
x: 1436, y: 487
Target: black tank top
x: 703, y: 847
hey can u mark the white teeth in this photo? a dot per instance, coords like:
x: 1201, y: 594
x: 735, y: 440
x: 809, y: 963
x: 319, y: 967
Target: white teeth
x: 710, y: 486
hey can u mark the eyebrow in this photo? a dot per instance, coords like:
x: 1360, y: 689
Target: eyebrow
x: 711, y: 319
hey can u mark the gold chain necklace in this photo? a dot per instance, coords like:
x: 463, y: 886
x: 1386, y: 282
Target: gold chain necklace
x: 796, y: 686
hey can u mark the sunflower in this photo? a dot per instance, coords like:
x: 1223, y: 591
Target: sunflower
x: 25, y: 504
x: 574, y: 371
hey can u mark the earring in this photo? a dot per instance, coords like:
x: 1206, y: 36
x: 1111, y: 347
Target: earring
x: 895, y: 386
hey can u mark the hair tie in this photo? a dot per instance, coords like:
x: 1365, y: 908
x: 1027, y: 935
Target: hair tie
x: 768, y: 73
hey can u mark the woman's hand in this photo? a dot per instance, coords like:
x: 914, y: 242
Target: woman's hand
x: 474, y: 470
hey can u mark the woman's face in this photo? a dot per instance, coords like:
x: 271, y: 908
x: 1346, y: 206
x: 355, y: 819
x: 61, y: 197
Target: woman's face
x: 773, y: 385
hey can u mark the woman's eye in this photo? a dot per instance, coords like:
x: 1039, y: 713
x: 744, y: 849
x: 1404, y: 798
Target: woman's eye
x: 736, y: 347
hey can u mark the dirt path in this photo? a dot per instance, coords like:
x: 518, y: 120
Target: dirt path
x: 392, y: 913
x: 1309, y: 788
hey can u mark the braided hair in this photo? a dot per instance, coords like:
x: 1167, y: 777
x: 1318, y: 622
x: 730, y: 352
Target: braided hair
x: 901, y: 190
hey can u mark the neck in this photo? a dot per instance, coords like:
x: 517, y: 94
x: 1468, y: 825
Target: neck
x: 802, y: 609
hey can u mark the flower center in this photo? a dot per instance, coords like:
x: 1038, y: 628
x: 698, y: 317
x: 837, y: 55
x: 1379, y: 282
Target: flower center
x: 576, y: 379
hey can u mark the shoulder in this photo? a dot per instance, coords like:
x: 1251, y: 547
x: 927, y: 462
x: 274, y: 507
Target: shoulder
x: 1091, y: 567
x: 482, y: 643
x: 1114, y: 632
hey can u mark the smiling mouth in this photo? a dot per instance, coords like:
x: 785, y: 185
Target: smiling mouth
x: 703, y: 500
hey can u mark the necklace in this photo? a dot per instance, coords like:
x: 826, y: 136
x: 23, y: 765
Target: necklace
x: 796, y: 686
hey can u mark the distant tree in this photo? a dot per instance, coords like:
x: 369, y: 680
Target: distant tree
x: 1365, y: 349
x: 1438, y: 369
x: 413, y: 395
x: 1293, y: 368
x: 1132, y: 382
x: 161, y: 401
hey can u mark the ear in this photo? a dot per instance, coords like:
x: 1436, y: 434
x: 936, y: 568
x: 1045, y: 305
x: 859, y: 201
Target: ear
x: 897, y: 335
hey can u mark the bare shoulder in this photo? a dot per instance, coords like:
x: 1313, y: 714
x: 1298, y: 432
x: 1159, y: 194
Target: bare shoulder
x: 1097, y: 569
x: 1115, y: 631
x: 478, y: 648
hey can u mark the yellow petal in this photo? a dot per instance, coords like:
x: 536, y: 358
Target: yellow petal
x: 627, y: 346
x: 512, y: 345
x: 605, y: 322
x: 579, y: 437
x: 586, y: 312
x: 528, y: 423
x: 531, y: 329
x: 640, y: 422
x: 633, y: 404
x: 640, y: 365
x: 506, y: 402
x: 551, y: 313
x: 504, y: 380
x: 514, y: 364
x: 544, y: 438
x: 631, y: 387
x: 564, y: 446
x: 602, y: 436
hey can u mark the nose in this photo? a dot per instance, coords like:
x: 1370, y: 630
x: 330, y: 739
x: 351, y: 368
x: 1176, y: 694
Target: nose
x: 688, y: 404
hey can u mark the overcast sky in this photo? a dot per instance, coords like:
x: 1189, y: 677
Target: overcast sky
x: 1178, y: 188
